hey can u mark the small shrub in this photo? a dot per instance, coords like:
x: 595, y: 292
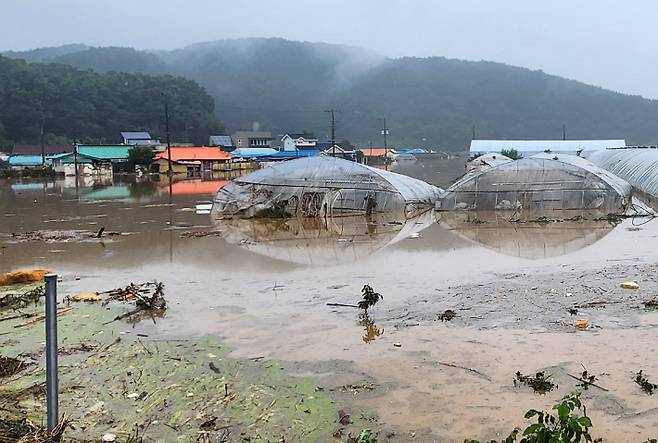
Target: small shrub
x: 511, y: 153
x: 565, y: 427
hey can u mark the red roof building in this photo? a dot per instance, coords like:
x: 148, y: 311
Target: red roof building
x: 194, y: 153
x: 190, y: 159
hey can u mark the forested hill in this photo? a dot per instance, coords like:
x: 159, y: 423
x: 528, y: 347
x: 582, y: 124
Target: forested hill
x: 92, y: 107
x: 286, y: 86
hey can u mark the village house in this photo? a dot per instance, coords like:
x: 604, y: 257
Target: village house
x: 377, y: 155
x: 299, y: 142
x: 191, y: 160
x: 335, y: 150
x: 252, y: 139
x: 93, y: 160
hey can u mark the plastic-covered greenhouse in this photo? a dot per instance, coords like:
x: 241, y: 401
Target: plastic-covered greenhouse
x: 323, y: 187
x: 638, y: 166
x: 538, y: 185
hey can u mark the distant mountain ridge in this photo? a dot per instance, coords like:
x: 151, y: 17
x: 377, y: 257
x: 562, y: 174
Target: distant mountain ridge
x: 286, y: 86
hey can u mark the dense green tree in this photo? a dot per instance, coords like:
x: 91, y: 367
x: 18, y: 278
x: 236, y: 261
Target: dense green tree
x: 66, y: 103
x: 140, y: 155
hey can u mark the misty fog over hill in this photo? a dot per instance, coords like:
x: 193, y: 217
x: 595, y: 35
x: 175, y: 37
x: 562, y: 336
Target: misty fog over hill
x: 287, y: 85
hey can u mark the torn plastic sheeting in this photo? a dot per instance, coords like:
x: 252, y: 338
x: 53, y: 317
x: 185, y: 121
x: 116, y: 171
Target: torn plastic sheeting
x: 324, y: 186
x: 539, y: 184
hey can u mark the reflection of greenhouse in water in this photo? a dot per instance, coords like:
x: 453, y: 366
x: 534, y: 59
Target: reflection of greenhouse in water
x: 318, y: 242
x: 493, y: 230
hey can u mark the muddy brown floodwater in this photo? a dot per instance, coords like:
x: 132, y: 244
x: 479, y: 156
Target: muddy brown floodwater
x: 517, y: 291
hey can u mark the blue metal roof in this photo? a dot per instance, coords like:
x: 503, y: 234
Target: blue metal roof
x: 280, y: 155
x: 26, y: 160
x: 253, y: 152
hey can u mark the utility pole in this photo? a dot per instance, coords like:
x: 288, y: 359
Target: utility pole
x: 385, y: 134
x: 473, y: 131
x: 166, y: 103
x: 332, y: 111
x: 43, y: 148
x: 564, y: 132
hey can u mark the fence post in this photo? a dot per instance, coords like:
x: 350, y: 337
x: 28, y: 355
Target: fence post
x: 51, y: 351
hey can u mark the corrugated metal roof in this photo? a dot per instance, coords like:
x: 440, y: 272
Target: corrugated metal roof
x: 105, y: 152
x: 544, y: 145
x: 25, y: 160
x: 294, y: 154
x: 221, y: 140
x: 253, y: 152
x: 136, y: 135
x: 35, y: 149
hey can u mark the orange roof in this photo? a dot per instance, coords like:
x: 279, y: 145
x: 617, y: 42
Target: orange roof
x: 190, y: 153
x: 374, y: 152
x: 194, y: 187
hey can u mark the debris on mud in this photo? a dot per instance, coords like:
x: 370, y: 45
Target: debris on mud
x: 644, y: 383
x: 540, y: 383
x: 21, y: 299
x: 10, y: 366
x: 62, y: 236
x: 447, y: 315
x: 147, y: 296
x: 344, y: 418
x: 651, y: 304
x: 370, y: 297
x: 629, y: 285
x: 356, y: 388
x: 86, y: 296
x: 22, y: 277
x: 582, y: 324
x: 586, y: 380
x: 200, y: 234
x: 37, y: 434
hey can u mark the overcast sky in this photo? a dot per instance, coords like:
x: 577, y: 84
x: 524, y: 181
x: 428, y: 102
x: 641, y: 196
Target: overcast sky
x: 609, y: 43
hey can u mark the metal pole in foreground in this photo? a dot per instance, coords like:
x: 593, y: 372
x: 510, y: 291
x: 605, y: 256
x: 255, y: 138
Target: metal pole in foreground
x: 51, y: 351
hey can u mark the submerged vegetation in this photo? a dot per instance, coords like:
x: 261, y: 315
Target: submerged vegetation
x: 644, y: 383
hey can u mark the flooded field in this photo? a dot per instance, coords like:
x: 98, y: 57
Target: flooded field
x: 262, y: 289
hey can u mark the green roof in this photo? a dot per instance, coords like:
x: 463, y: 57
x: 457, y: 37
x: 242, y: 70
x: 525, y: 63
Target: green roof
x: 105, y: 152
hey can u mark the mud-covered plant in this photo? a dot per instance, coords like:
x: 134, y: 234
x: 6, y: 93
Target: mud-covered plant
x: 365, y: 436
x: 644, y: 383
x: 511, y: 153
x: 586, y: 379
x: 567, y: 426
x: 540, y: 382
x: 370, y: 298
x: 276, y: 211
